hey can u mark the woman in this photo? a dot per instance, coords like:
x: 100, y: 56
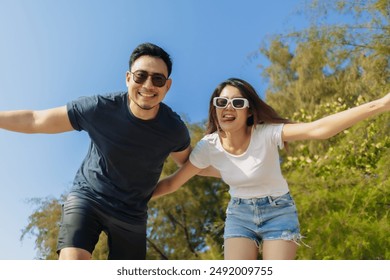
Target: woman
x: 242, y: 142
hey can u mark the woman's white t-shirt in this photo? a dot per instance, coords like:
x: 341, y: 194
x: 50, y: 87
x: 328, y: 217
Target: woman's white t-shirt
x: 256, y: 172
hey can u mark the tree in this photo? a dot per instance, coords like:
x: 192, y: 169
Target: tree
x: 341, y: 186
x: 44, y: 225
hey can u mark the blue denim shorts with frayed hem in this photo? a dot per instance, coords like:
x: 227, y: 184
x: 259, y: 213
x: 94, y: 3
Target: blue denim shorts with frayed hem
x: 266, y: 218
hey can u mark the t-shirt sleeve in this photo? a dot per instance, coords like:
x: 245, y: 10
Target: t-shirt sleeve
x: 185, y: 140
x: 276, y: 135
x: 200, y: 156
x: 80, y: 111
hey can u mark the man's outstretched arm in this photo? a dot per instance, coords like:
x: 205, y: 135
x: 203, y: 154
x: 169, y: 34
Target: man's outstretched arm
x: 49, y: 121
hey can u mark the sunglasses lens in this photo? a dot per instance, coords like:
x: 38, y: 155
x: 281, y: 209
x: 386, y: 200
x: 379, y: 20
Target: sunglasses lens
x: 238, y: 103
x: 158, y: 80
x: 140, y: 77
x: 221, y: 102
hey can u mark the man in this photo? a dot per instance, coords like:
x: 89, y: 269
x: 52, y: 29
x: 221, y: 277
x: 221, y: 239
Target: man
x: 132, y: 133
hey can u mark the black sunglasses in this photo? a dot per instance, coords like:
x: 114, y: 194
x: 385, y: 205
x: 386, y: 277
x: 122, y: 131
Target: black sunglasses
x: 140, y: 77
x: 237, y: 103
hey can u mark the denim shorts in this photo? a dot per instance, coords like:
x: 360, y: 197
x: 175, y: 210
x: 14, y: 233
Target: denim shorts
x: 266, y: 218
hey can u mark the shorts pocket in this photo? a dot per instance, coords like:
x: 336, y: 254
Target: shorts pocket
x: 230, y: 207
x: 282, y: 201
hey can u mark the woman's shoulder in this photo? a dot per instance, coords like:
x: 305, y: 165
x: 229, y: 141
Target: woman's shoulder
x: 262, y: 127
x: 208, y: 140
x: 211, y: 138
x: 269, y: 133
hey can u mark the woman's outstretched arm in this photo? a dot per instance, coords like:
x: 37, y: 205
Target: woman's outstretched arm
x: 329, y: 126
x: 173, y: 182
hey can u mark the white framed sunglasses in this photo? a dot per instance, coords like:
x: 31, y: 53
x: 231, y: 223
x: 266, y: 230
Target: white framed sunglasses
x: 237, y: 103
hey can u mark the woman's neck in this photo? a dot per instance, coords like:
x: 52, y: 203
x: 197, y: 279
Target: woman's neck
x: 236, y: 142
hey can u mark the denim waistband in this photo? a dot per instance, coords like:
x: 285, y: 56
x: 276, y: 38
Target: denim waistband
x: 257, y: 200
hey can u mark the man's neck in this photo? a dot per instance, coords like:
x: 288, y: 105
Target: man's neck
x: 141, y: 113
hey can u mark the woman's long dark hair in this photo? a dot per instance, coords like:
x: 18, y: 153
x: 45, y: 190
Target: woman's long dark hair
x: 261, y: 112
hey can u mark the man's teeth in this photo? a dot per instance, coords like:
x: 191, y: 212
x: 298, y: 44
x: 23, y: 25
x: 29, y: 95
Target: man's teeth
x: 147, y: 94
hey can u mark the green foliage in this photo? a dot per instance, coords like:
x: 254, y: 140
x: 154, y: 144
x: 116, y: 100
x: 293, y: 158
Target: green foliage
x: 44, y: 225
x: 343, y: 195
x: 341, y: 186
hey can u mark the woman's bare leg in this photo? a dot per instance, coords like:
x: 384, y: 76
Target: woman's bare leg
x: 240, y: 249
x: 279, y: 250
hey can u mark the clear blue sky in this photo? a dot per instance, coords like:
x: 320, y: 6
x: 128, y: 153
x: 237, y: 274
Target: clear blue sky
x: 52, y: 52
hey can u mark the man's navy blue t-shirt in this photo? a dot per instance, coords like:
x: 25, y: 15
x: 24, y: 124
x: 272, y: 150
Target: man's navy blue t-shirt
x: 126, y: 154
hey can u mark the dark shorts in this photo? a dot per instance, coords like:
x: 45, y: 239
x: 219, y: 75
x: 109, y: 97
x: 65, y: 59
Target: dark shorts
x: 81, y: 225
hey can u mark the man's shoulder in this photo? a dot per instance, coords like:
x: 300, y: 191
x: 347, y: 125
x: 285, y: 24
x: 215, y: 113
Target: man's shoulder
x: 169, y: 114
x: 172, y: 124
x: 119, y: 96
x: 106, y: 97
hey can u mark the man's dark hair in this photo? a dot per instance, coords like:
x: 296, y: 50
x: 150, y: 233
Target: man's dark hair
x: 151, y: 50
